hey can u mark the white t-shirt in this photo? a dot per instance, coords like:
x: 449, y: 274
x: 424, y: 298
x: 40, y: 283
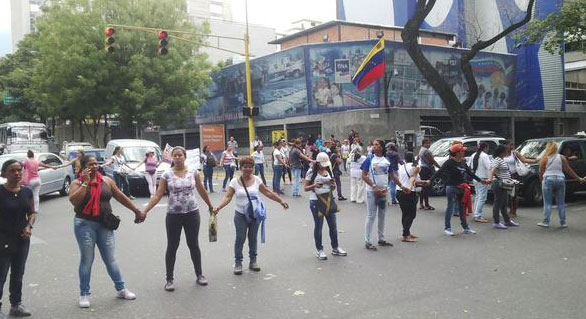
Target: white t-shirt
x: 378, y: 171
x: 276, y: 153
x: 241, y: 198
x: 483, y: 170
x: 259, y: 157
x: 324, y: 180
x: 404, y: 177
x: 355, y: 171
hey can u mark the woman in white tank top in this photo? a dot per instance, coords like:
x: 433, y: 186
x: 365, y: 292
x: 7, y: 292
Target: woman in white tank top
x: 551, y: 173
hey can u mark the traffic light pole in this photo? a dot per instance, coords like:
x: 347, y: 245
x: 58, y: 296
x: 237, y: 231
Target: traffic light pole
x: 248, y: 84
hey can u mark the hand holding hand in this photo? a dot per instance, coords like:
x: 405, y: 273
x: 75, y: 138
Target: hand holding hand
x: 215, y: 211
x: 285, y: 205
x: 26, y: 232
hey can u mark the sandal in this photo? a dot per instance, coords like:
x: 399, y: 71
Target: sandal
x: 429, y: 208
x: 409, y: 239
x: 370, y: 246
x: 422, y: 207
x: 413, y: 236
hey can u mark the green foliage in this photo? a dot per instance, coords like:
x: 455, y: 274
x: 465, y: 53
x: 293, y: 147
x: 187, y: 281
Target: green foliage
x: 73, y: 77
x: 566, y: 26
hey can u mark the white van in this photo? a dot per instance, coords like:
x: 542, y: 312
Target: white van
x: 134, y: 153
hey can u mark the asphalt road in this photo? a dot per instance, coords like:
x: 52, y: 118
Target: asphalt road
x: 526, y: 272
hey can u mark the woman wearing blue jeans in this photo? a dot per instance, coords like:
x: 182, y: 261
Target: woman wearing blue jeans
x: 228, y: 161
x: 246, y: 225
x: 90, y: 196
x: 551, y: 173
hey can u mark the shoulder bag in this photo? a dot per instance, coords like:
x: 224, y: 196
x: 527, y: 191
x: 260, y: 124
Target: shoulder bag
x: 326, y: 203
x: 522, y: 169
x: 255, y: 214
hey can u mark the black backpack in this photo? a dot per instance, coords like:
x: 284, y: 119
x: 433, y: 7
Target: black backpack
x: 210, y: 160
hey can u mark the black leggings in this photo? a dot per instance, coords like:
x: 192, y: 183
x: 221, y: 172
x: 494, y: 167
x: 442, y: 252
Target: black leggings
x: 288, y: 171
x: 425, y: 174
x: 408, y: 204
x: 174, y: 223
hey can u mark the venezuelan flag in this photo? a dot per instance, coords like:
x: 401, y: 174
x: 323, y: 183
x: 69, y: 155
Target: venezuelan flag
x: 372, y: 68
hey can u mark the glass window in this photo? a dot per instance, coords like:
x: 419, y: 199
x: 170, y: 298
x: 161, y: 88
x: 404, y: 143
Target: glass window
x: 52, y: 160
x: 532, y: 149
x: 491, y: 146
x: 138, y: 153
x: 472, y: 148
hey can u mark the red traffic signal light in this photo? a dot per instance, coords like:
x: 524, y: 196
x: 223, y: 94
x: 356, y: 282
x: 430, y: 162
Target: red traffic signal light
x: 163, y: 42
x: 110, y: 39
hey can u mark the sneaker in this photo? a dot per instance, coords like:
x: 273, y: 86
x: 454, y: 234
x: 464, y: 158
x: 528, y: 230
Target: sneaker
x: 564, y: 225
x: 512, y: 223
x: 448, y: 232
x: 169, y: 286
x: 131, y: 197
x: 254, y: 266
x: 370, y: 246
x: 342, y: 198
x: 238, y: 269
x: 481, y: 220
x: 84, y: 301
x: 499, y: 226
x: 469, y: 231
x: 19, y: 311
x: 126, y: 294
x: 321, y: 255
x: 339, y: 252
x: 384, y: 243
x: 543, y: 224
x: 201, y: 280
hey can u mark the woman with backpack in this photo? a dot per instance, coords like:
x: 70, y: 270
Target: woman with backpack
x: 319, y: 182
x: 500, y: 171
x: 407, y: 180
x: 480, y: 165
x: 247, y: 189
x: 208, y: 168
x: 512, y: 158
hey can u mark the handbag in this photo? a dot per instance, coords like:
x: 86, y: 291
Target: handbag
x: 326, y: 204
x: 522, y: 169
x: 8, y: 244
x: 110, y: 221
x: 380, y: 195
x: 506, y: 184
x: 255, y: 213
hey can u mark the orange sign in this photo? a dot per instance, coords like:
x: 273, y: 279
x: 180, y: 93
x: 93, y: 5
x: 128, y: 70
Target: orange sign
x: 213, y: 136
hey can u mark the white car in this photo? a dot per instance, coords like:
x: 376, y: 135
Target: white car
x: 52, y: 180
x: 441, y: 152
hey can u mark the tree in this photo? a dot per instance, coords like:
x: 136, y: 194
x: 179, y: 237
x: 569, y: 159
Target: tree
x: 457, y: 110
x: 568, y: 26
x: 77, y: 79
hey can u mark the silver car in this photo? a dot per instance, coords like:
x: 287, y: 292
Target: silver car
x: 52, y: 180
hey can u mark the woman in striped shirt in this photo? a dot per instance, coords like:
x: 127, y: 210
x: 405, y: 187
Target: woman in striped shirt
x: 500, y: 170
x: 228, y: 160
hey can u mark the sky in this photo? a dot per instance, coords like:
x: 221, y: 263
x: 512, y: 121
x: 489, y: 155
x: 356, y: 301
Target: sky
x: 268, y: 13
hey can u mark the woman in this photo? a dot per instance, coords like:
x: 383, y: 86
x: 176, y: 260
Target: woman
x: 336, y: 162
x: 244, y: 187
x: 376, y: 173
x: 228, y: 161
x: 356, y: 182
x: 118, y: 163
x: 278, y: 165
x: 33, y: 180
x: 285, y: 150
x: 551, y: 173
x: 90, y: 196
x: 407, y: 179
x: 209, y: 162
x: 320, y: 180
x: 182, y: 213
x: 511, y: 157
x: 480, y: 165
x: 17, y: 217
x: 151, y: 162
x: 259, y: 163
x: 76, y: 163
x: 501, y: 171
x: 454, y: 171
x: 345, y: 154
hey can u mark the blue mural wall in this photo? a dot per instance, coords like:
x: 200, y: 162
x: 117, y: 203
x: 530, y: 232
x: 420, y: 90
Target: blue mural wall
x: 315, y: 79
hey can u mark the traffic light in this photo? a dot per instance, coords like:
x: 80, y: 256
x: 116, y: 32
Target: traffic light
x: 246, y: 111
x: 110, y: 32
x: 163, y: 42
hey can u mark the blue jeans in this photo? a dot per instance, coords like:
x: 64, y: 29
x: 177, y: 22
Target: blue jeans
x: 454, y: 205
x: 208, y: 174
x: 554, y: 186
x: 260, y: 169
x: 318, y: 224
x: 245, y: 229
x: 296, y: 179
x: 89, y: 234
x: 229, y: 174
x: 277, y: 172
x: 480, y: 198
x: 122, y: 183
x: 393, y: 191
x: 15, y: 263
x: 374, y: 208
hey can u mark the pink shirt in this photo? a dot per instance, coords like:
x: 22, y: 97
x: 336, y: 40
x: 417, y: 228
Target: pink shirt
x: 32, y: 168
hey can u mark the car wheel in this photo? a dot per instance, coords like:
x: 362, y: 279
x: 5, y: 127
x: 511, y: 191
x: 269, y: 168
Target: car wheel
x: 65, y: 190
x: 438, y: 187
x: 533, y: 194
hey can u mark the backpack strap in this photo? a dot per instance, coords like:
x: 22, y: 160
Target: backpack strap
x: 249, y: 200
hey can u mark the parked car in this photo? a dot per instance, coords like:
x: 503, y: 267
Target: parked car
x: 69, y: 147
x: 431, y: 132
x: 98, y: 153
x: 441, y: 152
x: 530, y: 188
x: 134, y: 153
x: 52, y: 180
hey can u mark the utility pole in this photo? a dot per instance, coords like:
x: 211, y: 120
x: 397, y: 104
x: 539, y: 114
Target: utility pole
x: 248, y: 83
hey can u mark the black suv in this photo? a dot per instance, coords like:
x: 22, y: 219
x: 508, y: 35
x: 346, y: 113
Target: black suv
x: 531, y: 185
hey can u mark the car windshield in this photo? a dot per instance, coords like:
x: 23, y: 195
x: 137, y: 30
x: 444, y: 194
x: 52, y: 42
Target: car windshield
x: 138, y: 153
x: 441, y: 148
x: 19, y: 157
x: 533, y: 149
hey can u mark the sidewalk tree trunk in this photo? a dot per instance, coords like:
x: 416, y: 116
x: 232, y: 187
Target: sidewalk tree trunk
x: 457, y: 110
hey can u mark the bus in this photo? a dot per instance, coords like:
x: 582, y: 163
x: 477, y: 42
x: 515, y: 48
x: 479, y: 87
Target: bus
x: 23, y: 136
